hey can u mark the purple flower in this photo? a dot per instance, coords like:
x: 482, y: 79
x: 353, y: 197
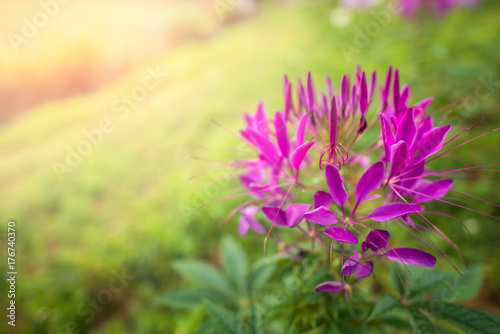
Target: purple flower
x: 311, y: 173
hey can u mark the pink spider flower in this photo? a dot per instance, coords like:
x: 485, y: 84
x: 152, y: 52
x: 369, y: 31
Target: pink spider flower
x: 313, y: 174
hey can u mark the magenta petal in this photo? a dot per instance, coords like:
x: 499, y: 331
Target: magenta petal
x: 393, y: 210
x: 282, y: 134
x: 408, y: 221
x: 321, y: 216
x: 310, y: 92
x: 370, y: 180
x: 301, y: 129
x: 400, y: 157
x: 407, y: 130
x: 295, y: 213
x: 344, y: 91
x: 424, y: 103
x: 363, y: 98
x: 411, y: 177
x: 411, y: 256
x: 333, y: 121
x: 300, y: 153
x: 273, y: 214
x: 288, y: 99
x: 322, y: 198
x: 395, y: 90
x: 365, y: 269
x: 335, y: 185
x: 261, y: 122
x: 247, y: 221
x: 373, y: 82
x: 350, y: 266
x: 331, y: 286
x: 375, y: 240
x: 341, y: 234
x: 266, y: 147
x: 431, y: 142
x: 429, y: 190
x: 387, y: 136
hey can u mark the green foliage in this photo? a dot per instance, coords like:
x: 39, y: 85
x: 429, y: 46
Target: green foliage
x: 384, y: 305
x: 469, y: 320
x: 419, y: 322
x: 203, y: 274
x: 235, y: 263
x: 223, y: 321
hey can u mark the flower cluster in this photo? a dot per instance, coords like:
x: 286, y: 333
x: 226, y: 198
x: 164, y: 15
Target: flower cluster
x: 313, y: 172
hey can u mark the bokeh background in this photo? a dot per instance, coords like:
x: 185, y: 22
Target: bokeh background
x: 109, y: 140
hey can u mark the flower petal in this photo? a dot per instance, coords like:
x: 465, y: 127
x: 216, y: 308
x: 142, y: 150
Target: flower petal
x: 393, y: 210
x: 301, y: 129
x: 274, y: 214
x: 429, y: 190
x: 411, y: 256
x: 370, y: 180
x: 300, y: 153
x: 350, y: 266
x: 431, y: 142
x: 248, y: 221
x: 331, y: 286
x: 341, y: 234
x: 288, y: 99
x: 375, y: 240
x: 387, y: 136
x: 265, y: 146
x: 321, y: 216
x: 282, y: 134
x: 322, y: 198
x: 311, y: 98
x: 363, y: 95
x: 407, y: 130
x: 365, y: 269
x: 295, y: 213
x: 335, y: 185
x: 399, y: 158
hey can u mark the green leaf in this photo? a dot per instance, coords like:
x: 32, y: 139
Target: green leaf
x: 469, y: 320
x: 260, y: 274
x: 235, y: 263
x: 398, y: 278
x: 202, y: 274
x: 429, y: 281
x: 467, y: 286
x: 394, y: 322
x: 223, y: 320
x: 255, y: 321
x: 188, y: 298
x: 419, y: 322
x: 384, y: 305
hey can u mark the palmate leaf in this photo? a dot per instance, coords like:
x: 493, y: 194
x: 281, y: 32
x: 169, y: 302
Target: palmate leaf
x: 223, y: 321
x: 445, y: 284
x: 384, y: 305
x: 255, y: 323
x: 429, y: 281
x: 398, y: 278
x: 235, y: 263
x: 204, y: 275
x: 469, y: 320
x: 467, y: 286
x: 419, y: 322
x: 189, y: 298
x: 260, y: 274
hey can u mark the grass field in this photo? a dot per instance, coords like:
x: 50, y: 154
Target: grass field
x: 128, y: 205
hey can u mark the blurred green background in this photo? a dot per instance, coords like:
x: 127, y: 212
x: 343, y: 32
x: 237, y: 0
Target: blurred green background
x: 146, y: 79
